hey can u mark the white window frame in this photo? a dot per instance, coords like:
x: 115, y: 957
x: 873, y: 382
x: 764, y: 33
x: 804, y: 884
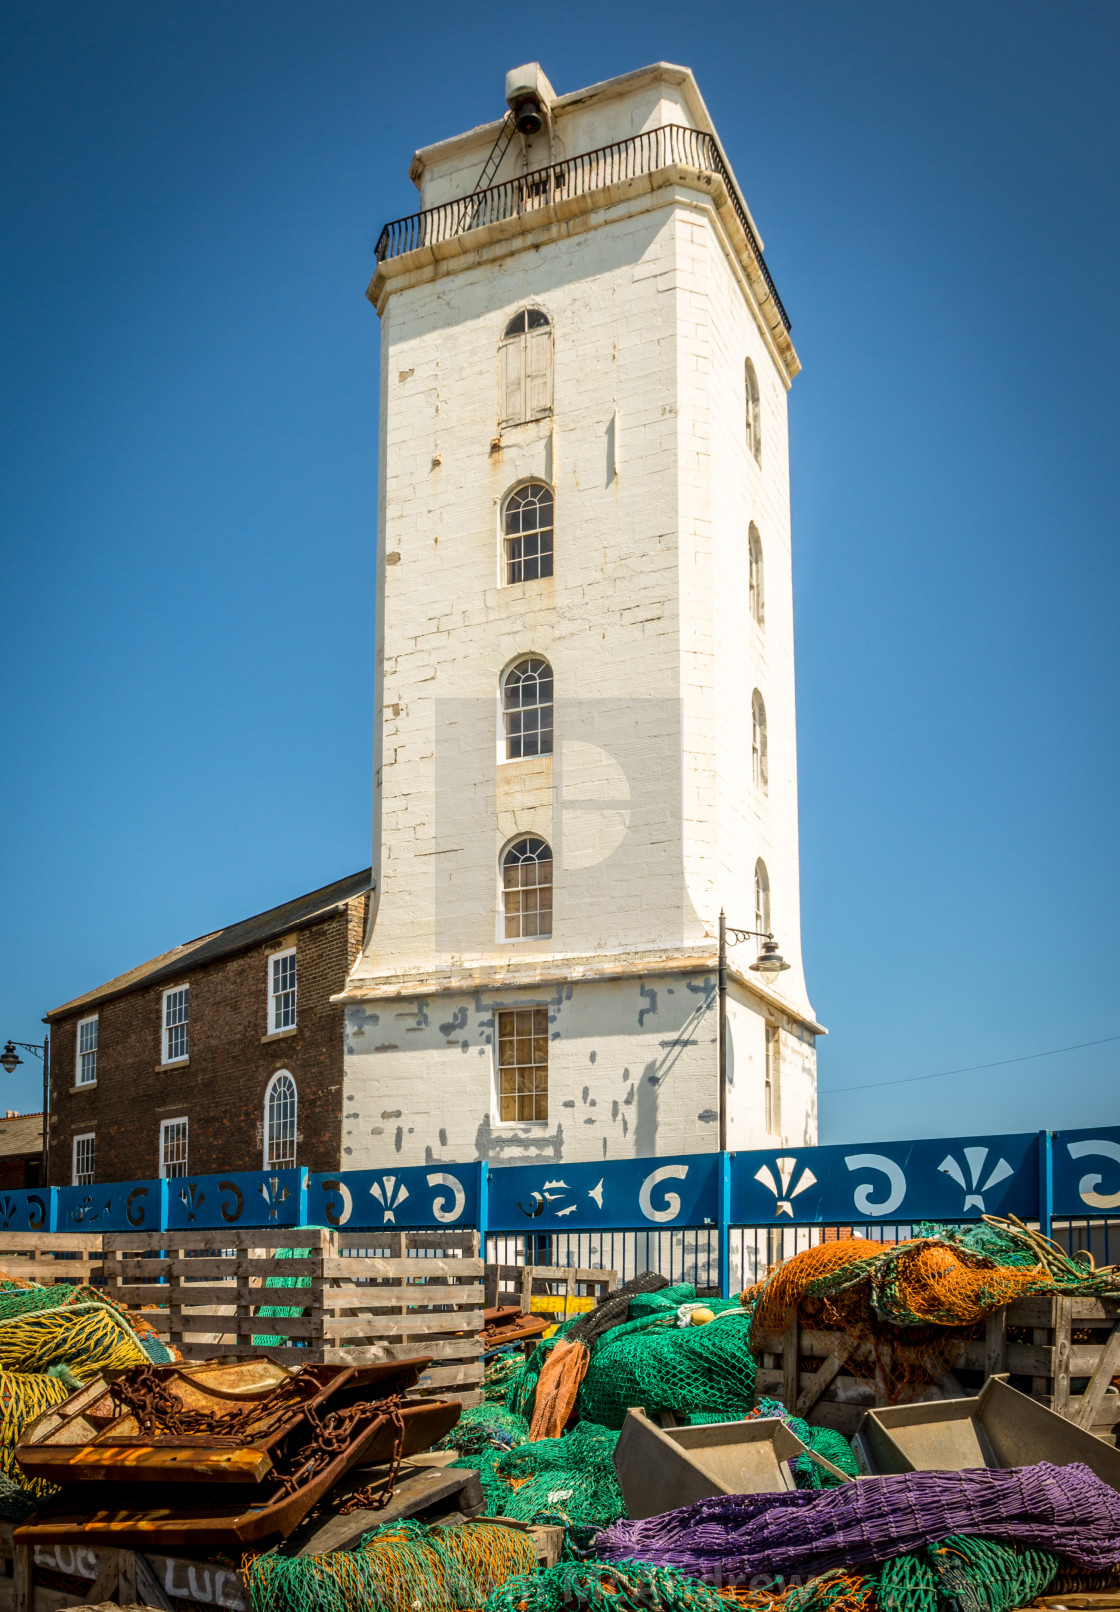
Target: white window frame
x: 762, y: 919
x: 82, y: 1053
x: 274, y: 1011
x: 516, y: 1033
x: 505, y: 918
x: 165, y: 1126
x: 509, y: 713
x: 754, y: 410
x: 772, y: 1116
x: 166, y: 1029
x: 91, y: 1138
x: 269, y: 1163
x: 760, y: 750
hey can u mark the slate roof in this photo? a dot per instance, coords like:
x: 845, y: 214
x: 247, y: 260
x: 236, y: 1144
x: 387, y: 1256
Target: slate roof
x: 297, y: 914
x: 21, y: 1135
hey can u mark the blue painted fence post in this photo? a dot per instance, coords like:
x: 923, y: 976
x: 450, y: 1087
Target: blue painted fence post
x: 301, y: 1218
x: 1045, y: 1181
x: 725, y: 1225
x: 51, y: 1209
x: 483, y: 1206
x: 164, y: 1204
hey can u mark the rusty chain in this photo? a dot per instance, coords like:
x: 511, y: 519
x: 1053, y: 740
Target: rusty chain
x: 158, y: 1411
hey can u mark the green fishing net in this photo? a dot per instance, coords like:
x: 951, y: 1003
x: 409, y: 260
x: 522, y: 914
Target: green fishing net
x: 661, y: 1366
x: 605, y: 1587
x: 570, y: 1478
x: 273, y: 1340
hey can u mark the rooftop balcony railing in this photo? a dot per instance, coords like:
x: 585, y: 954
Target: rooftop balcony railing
x: 625, y: 159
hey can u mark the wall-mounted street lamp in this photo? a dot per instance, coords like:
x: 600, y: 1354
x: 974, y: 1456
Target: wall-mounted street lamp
x: 10, y: 1061
x: 769, y: 963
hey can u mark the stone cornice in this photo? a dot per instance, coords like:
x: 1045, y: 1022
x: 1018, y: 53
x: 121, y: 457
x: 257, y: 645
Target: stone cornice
x: 539, y: 973
x: 558, y: 220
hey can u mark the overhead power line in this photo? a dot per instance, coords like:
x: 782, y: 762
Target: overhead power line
x: 969, y: 1069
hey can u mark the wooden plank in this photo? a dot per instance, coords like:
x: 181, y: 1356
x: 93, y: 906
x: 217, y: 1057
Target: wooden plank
x: 1040, y: 1309
x: 418, y: 1489
x: 351, y: 1296
x: 149, y: 1590
x: 995, y: 1343
x: 463, y: 1376
x: 21, y: 1579
x: 157, y: 1273
x: 1062, y: 1348
x: 1107, y: 1367
x: 416, y: 1324
x: 188, y: 1293
x: 370, y: 1266
x: 265, y: 1237
x: 819, y: 1381
x: 126, y: 1577
x: 791, y: 1359
x: 106, y: 1581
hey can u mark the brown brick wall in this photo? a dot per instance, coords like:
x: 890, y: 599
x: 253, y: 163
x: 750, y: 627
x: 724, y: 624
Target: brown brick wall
x: 221, y: 1090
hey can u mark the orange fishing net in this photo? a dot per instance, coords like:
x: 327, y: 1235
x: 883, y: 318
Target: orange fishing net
x: 950, y: 1287
x: 557, y: 1387
x: 825, y: 1269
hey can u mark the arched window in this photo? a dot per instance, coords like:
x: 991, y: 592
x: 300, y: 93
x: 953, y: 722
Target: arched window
x: 759, y: 764
x: 757, y: 596
x: 754, y: 413
x: 761, y: 897
x: 525, y: 368
x: 280, y: 1122
x: 527, y: 522
x: 527, y: 708
x: 527, y: 889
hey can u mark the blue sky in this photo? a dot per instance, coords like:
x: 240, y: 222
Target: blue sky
x: 188, y: 488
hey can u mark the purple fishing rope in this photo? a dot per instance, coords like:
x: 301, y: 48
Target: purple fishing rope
x: 1067, y: 1510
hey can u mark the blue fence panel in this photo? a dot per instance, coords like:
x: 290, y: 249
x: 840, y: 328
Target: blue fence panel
x: 31, y: 1210
x: 420, y: 1195
x: 118, y: 1206
x: 243, y: 1198
x: 669, y: 1192
x: 1087, y: 1171
x: 959, y: 1178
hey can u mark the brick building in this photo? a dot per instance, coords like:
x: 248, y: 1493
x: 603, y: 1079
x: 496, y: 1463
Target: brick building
x: 225, y: 1053
x: 21, y: 1149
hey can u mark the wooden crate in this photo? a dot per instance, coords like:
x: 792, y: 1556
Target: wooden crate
x: 422, y: 1296
x: 47, y: 1257
x: 358, y: 1306
x: 1063, y: 1351
x: 549, y: 1290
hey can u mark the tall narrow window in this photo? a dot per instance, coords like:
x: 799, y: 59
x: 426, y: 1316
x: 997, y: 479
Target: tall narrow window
x: 761, y: 898
x: 527, y: 889
x: 760, y: 769
x: 527, y: 703
x: 771, y: 1119
x: 523, y: 1063
x: 176, y: 1017
x: 528, y: 525
x: 754, y: 412
x: 173, y: 1135
x: 85, y: 1072
x: 84, y: 1159
x: 757, y: 596
x: 525, y: 368
x: 280, y: 1122
x: 282, y: 991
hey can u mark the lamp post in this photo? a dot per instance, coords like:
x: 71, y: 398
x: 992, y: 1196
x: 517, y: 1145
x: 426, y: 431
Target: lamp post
x: 10, y: 1061
x: 769, y: 963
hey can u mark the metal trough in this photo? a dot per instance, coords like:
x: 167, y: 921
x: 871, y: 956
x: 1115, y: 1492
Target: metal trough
x: 663, y: 1467
x: 999, y: 1428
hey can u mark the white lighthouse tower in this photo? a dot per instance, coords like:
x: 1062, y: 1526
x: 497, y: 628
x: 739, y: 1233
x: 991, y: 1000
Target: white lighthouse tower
x: 585, y: 739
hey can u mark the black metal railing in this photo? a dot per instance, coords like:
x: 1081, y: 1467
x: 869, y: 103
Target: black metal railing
x: 625, y: 159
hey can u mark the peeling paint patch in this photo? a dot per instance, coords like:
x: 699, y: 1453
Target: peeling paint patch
x: 592, y: 1056
x: 457, y: 1021
x: 615, y: 1109
x: 680, y: 1041
x: 651, y: 997
x: 569, y: 1102
x: 391, y: 1113
x: 387, y: 1046
x: 442, y: 1136
x: 398, y: 1140
x: 707, y: 1116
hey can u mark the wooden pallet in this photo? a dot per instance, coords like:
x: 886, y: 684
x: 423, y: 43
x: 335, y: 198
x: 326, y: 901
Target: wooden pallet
x: 356, y: 1306
x: 47, y: 1257
x: 1063, y: 1351
x: 555, y: 1291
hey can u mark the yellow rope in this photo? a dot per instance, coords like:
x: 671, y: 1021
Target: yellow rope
x: 22, y: 1398
x: 87, y: 1338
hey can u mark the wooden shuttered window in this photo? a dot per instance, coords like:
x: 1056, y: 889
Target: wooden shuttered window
x: 525, y: 369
